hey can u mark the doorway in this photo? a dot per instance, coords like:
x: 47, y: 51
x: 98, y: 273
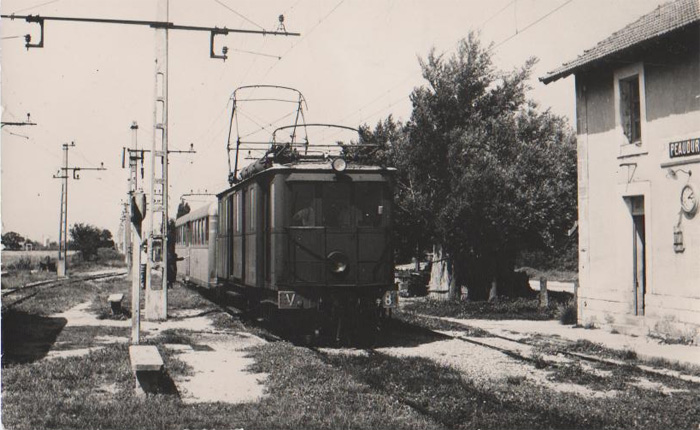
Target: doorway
x: 638, y: 253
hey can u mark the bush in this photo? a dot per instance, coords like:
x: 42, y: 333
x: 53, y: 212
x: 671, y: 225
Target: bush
x: 24, y: 263
x: 106, y: 254
x: 567, y: 313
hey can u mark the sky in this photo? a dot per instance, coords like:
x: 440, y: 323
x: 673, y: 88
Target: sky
x: 355, y: 62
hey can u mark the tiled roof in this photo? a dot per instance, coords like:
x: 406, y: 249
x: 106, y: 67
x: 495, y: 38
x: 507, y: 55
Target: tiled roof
x: 665, y: 18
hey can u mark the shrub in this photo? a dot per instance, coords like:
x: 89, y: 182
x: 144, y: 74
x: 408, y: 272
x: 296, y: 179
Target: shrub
x: 24, y: 263
x: 567, y: 313
x: 107, y: 254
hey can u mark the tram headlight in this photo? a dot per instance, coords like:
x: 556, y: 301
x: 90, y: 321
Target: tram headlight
x: 337, y: 262
x: 339, y: 164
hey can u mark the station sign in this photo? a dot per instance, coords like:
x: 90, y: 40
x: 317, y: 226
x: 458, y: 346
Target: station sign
x: 684, y: 148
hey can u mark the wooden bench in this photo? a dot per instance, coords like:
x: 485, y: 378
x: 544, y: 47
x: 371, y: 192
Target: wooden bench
x: 115, y: 302
x: 147, y: 365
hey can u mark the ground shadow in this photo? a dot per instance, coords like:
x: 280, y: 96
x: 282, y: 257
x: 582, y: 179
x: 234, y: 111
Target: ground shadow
x: 303, y: 331
x: 28, y: 337
x: 401, y: 334
x: 157, y: 382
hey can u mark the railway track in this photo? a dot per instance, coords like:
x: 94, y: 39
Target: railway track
x: 27, y: 291
x: 517, y: 349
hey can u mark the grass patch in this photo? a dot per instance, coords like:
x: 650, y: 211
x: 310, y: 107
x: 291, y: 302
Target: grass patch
x: 303, y: 392
x: 181, y: 297
x: 171, y: 336
x: 58, y: 299
x: 18, y: 278
x: 576, y: 374
x: 84, y: 336
x: 504, y: 309
x: 415, y: 319
x: 444, y: 395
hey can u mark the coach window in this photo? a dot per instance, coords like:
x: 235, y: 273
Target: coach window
x: 368, y: 201
x: 238, y: 211
x: 250, y: 209
x: 337, y: 207
x: 302, y: 208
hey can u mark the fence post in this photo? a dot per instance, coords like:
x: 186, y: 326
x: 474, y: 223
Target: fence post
x: 544, y: 297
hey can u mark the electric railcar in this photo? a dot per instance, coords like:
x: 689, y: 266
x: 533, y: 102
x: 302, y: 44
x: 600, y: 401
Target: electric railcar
x: 309, y: 238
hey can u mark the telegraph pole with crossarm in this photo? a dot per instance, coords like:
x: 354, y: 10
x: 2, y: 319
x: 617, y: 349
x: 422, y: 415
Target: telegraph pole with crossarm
x: 62, y: 265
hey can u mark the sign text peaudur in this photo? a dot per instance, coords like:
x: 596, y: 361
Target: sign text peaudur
x: 684, y: 148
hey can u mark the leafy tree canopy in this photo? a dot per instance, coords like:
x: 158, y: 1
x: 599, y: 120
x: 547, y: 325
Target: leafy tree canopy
x: 88, y: 239
x: 12, y: 241
x: 495, y: 174
x: 482, y: 172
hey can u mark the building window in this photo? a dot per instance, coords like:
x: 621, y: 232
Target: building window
x: 630, y: 111
x: 630, y: 108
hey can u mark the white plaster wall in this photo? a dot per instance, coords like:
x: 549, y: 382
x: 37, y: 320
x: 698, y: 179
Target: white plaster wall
x: 606, y: 175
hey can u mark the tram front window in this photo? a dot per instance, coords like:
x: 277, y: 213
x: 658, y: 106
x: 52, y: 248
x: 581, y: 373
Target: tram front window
x: 337, y: 205
x: 368, y: 200
x: 303, y: 211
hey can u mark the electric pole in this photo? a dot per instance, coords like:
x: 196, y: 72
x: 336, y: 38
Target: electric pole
x: 157, y: 298
x: 62, y: 266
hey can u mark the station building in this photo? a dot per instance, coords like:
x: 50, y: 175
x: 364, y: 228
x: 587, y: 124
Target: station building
x: 638, y: 129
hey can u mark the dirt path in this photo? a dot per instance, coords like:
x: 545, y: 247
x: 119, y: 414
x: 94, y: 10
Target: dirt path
x: 220, y: 370
x: 218, y: 362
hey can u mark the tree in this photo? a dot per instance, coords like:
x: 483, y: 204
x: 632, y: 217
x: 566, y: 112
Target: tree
x: 490, y: 174
x: 12, y: 241
x: 106, y: 240
x: 387, y: 145
x: 88, y: 239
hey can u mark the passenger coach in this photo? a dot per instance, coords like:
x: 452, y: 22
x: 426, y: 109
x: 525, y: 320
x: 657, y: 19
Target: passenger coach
x: 195, y: 235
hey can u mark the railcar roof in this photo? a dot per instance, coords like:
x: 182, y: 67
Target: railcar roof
x: 201, y: 212
x: 315, y: 166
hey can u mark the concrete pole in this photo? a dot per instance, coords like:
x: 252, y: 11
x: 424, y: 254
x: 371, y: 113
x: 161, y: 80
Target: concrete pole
x: 127, y: 236
x: 156, y: 296
x: 136, y: 289
x: 62, y: 264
